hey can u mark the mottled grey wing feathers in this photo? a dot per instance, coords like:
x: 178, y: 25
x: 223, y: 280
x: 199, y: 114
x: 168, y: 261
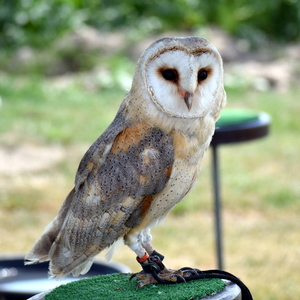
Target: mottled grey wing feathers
x: 99, y: 148
x: 113, y: 193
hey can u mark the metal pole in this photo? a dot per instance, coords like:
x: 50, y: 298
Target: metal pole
x: 217, y: 210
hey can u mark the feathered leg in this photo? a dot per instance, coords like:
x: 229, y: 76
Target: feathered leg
x: 154, y: 271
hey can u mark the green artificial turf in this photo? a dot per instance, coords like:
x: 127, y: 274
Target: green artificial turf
x: 236, y: 116
x: 118, y: 286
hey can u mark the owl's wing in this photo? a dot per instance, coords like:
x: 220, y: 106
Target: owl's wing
x: 114, y: 185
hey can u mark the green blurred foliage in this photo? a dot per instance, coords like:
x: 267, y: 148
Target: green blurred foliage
x: 39, y: 22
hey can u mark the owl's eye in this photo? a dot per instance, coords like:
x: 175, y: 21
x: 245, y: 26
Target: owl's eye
x: 202, y: 75
x: 170, y: 74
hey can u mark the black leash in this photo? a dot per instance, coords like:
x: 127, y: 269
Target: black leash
x: 154, y: 266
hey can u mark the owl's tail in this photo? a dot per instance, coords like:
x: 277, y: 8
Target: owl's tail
x: 41, y: 248
x: 62, y: 260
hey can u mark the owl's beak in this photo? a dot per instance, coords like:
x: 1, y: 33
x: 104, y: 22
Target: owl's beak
x: 188, y: 99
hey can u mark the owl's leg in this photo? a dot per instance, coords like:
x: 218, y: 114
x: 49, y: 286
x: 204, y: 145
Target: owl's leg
x: 139, y: 242
x: 154, y: 271
x: 146, y: 239
x: 133, y: 241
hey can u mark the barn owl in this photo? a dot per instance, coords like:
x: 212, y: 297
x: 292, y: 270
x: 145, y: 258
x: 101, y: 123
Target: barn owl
x: 144, y: 163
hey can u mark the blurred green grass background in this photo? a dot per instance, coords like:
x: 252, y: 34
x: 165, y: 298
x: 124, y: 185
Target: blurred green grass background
x: 58, y: 112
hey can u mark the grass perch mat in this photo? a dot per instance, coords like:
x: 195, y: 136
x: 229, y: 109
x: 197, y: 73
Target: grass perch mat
x: 118, y: 286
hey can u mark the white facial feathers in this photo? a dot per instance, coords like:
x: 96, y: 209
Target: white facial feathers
x: 183, y: 76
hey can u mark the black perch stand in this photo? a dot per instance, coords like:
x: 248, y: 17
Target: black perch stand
x: 21, y: 282
x: 234, y: 126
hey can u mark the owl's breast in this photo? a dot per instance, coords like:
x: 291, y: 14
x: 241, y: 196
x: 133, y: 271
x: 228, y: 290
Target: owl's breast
x: 188, y: 155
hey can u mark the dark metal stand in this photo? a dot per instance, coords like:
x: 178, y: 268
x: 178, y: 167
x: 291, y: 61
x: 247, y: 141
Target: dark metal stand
x: 226, y: 134
x: 217, y: 210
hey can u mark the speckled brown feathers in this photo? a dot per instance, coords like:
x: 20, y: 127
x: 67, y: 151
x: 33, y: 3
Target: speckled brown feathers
x: 145, y: 162
x: 110, y: 198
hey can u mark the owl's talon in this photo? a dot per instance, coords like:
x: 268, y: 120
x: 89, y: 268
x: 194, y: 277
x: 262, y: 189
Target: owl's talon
x: 154, y: 271
x: 189, y: 271
x: 133, y: 275
x: 182, y: 279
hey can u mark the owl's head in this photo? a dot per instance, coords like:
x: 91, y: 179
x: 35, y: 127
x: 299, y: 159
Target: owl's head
x: 183, y: 76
